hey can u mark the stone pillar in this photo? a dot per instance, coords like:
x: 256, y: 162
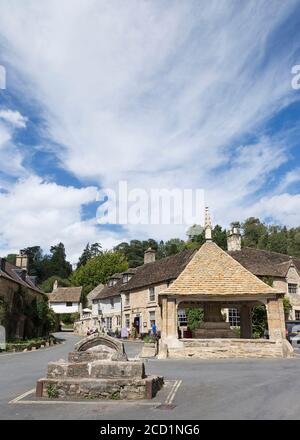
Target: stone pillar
x: 276, y: 322
x: 168, y: 319
x: 246, y: 321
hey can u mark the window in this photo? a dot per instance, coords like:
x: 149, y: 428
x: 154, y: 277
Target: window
x: 112, y: 282
x: 182, y: 318
x: 99, y: 308
x: 151, y: 294
x: 69, y: 304
x: 112, y: 303
x: 126, y: 277
x: 127, y: 321
x: 118, y: 320
x: 109, y: 323
x: 126, y: 299
x: 297, y: 315
x: 292, y: 288
x: 234, y: 317
x: 152, y: 318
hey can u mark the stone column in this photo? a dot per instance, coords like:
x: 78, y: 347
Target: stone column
x: 168, y: 319
x: 276, y: 322
x: 246, y: 321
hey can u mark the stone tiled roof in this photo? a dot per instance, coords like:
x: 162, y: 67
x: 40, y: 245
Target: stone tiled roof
x: 95, y: 292
x: 213, y: 271
x: 265, y: 263
x: 65, y: 294
x: 13, y: 273
x: 159, y: 271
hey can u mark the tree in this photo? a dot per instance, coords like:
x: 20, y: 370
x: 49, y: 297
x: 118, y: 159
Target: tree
x: 219, y: 236
x: 90, y: 251
x: 85, y: 256
x: 254, y: 233
x: 134, y: 251
x: 58, y: 263
x: 98, y: 270
x: 47, y: 285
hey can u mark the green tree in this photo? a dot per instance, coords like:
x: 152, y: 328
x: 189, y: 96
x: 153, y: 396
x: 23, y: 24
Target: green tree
x: 195, y: 316
x: 219, y: 236
x: 58, y: 263
x: 98, y: 270
x: 255, y: 233
x: 47, y: 285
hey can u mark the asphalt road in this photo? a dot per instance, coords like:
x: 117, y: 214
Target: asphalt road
x: 220, y: 389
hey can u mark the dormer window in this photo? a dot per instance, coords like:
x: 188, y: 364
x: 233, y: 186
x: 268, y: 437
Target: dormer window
x: 112, y: 282
x: 126, y: 277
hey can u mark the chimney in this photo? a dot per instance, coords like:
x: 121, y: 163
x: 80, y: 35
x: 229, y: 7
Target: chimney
x: 55, y: 285
x: 234, y: 239
x: 22, y: 260
x: 3, y: 264
x: 149, y: 256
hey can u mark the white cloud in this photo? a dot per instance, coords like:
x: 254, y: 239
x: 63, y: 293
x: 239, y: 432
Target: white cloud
x: 157, y: 93
x: 35, y: 212
x: 14, y: 118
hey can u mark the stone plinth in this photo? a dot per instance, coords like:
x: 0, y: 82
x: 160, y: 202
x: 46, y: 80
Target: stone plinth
x: 231, y: 348
x: 215, y: 330
x: 98, y: 369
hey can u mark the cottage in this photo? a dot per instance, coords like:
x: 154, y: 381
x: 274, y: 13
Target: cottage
x: 18, y: 293
x: 65, y: 299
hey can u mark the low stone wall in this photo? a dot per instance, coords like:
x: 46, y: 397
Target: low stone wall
x: 116, y: 389
x: 82, y: 326
x: 230, y: 348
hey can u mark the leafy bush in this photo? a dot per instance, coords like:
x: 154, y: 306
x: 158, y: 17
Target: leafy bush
x: 194, y: 316
x: 149, y: 339
x: 52, y: 391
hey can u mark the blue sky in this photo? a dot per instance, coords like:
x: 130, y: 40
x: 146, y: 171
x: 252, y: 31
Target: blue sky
x: 164, y: 94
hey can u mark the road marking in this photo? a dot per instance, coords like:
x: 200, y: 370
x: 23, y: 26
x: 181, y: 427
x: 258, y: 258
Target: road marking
x: 173, y: 392
x: 169, y: 399
x: 82, y: 402
x: 16, y: 400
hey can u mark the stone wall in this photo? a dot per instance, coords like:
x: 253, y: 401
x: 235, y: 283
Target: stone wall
x: 139, y: 303
x: 17, y: 299
x: 230, y: 348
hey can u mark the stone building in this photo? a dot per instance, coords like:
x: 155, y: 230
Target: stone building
x: 18, y: 293
x: 131, y: 299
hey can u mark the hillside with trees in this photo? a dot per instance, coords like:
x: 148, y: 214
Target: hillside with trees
x: 96, y: 266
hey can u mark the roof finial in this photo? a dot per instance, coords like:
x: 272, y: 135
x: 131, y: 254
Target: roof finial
x: 207, y: 225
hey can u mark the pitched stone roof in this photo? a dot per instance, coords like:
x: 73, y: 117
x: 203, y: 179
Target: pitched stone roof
x: 212, y: 271
x: 65, y: 294
x: 13, y: 273
x: 265, y: 263
x: 159, y: 271
x: 93, y: 293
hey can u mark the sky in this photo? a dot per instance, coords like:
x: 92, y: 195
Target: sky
x: 157, y: 93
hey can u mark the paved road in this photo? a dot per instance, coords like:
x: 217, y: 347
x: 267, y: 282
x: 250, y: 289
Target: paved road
x: 222, y: 389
